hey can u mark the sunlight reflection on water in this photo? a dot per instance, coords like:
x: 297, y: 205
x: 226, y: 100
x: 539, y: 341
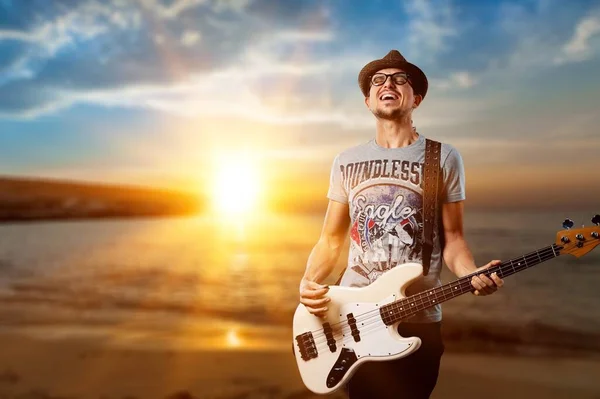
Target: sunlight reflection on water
x: 191, y: 281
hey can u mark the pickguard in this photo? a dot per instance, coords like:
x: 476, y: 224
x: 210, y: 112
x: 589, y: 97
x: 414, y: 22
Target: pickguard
x: 346, y: 359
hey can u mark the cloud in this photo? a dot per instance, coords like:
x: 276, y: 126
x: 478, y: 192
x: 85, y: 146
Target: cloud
x: 138, y: 80
x: 549, y: 33
x: 189, y: 38
x: 117, y: 47
x: 264, y: 89
x: 430, y: 24
x: 579, y: 47
x: 257, y: 61
x: 172, y: 9
x: 19, y: 35
x: 304, y: 35
x: 82, y: 23
x: 225, y: 93
x: 231, y: 5
x: 519, y: 45
x: 126, y: 64
x: 456, y: 80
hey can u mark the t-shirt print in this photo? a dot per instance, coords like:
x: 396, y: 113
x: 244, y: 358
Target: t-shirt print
x: 385, y: 229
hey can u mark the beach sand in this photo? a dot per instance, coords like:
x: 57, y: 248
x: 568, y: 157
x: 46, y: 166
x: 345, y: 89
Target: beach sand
x: 31, y: 368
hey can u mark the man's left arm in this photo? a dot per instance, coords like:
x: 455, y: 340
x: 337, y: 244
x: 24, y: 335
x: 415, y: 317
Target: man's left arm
x: 457, y: 255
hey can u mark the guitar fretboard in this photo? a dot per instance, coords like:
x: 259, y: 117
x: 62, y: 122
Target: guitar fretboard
x: 407, y: 307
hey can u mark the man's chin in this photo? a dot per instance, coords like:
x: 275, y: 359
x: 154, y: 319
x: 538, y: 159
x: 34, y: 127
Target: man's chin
x: 389, y: 114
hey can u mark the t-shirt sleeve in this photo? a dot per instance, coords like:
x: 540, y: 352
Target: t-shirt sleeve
x: 336, y: 190
x: 454, y: 177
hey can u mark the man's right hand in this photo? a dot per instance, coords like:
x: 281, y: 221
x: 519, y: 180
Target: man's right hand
x: 312, y: 295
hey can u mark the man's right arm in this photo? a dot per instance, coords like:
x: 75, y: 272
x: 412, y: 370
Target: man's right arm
x: 323, y: 258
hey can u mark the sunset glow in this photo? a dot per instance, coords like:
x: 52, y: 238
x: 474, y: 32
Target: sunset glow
x: 232, y: 339
x: 237, y: 185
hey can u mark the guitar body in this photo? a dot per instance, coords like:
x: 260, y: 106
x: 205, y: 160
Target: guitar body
x: 325, y: 367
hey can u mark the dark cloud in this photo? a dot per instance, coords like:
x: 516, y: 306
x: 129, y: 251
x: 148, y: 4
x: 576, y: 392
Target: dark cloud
x: 23, y: 96
x: 23, y: 14
x: 490, y: 33
x: 116, y: 62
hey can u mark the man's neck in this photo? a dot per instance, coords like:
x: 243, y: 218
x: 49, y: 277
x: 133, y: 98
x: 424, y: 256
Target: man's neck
x: 395, y: 134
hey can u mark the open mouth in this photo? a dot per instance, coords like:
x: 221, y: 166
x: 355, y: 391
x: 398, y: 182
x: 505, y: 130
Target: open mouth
x: 388, y: 96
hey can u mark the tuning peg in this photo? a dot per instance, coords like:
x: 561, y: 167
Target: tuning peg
x: 596, y: 220
x: 567, y: 224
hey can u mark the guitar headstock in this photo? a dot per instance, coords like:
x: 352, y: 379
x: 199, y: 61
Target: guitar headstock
x: 578, y: 242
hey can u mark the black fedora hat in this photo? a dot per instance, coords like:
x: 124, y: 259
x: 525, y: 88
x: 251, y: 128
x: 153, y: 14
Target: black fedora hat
x: 393, y: 59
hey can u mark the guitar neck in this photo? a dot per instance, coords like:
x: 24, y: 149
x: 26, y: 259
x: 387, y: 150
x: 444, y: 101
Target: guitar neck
x: 407, y: 307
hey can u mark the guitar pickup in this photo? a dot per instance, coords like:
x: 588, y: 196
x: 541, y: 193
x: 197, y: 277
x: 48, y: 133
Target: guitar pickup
x: 329, y: 335
x: 353, y: 328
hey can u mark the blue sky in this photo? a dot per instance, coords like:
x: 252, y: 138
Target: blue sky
x: 157, y: 92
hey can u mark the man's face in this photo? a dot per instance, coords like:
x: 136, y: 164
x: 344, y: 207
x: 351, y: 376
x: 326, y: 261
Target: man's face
x: 390, y: 100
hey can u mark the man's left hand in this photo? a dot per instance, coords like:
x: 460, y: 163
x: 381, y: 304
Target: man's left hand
x: 484, y: 285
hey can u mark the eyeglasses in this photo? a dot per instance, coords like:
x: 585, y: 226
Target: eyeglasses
x: 398, y: 78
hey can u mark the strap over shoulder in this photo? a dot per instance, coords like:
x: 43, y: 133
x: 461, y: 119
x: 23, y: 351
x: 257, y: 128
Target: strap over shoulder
x: 431, y: 197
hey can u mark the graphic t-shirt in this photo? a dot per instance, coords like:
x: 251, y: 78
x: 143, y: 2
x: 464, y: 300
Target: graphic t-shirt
x: 383, y: 188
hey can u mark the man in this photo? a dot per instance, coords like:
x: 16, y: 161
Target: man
x: 375, y: 190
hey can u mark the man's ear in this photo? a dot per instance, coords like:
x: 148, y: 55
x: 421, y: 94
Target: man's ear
x: 367, y: 102
x: 418, y: 99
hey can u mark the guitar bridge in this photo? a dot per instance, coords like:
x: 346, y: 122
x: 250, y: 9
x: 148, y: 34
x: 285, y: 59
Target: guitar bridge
x: 307, y: 347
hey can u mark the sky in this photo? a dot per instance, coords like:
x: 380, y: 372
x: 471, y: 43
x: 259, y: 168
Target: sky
x: 172, y: 93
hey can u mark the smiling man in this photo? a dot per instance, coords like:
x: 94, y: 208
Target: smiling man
x: 376, y: 195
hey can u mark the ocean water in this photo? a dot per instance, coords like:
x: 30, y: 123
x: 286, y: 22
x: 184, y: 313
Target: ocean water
x: 233, y: 283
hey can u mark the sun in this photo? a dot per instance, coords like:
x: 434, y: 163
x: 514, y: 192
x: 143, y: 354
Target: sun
x: 232, y: 339
x: 237, y: 185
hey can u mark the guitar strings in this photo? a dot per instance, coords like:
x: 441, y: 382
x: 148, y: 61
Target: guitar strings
x: 375, y: 317
x: 545, y: 254
x: 368, y: 324
x: 502, y: 267
x: 375, y: 325
x: 419, y: 299
x: 378, y: 322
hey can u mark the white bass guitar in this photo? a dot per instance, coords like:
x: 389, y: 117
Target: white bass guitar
x: 361, y: 322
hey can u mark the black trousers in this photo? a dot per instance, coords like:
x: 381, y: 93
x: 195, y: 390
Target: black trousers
x: 410, y: 377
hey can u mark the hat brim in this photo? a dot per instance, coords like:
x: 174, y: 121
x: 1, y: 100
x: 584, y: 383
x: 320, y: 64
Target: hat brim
x: 417, y: 77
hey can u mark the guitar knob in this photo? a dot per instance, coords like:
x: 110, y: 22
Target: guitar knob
x: 565, y: 240
x: 596, y: 220
x: 567, y: 224
x: 595, y: 234
x: 580, y: 237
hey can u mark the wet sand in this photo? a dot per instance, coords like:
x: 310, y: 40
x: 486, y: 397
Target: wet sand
x: 33, y: 368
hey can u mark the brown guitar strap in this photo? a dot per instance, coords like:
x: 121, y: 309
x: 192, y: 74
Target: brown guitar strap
x: 431, y: 195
